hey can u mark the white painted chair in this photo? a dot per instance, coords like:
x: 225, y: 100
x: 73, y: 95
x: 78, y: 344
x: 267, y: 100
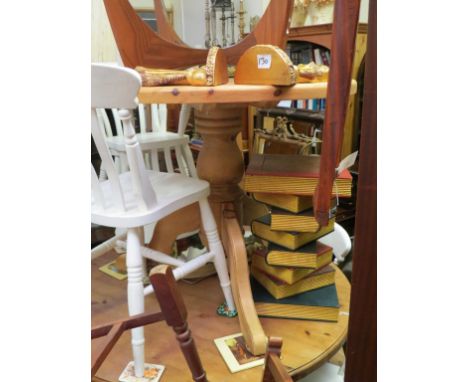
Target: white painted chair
x: 140, y: 196
x: 152, y: 141
x: 340, y: 241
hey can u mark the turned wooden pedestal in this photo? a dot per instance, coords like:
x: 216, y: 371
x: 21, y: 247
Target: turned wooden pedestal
x: 220, y: 161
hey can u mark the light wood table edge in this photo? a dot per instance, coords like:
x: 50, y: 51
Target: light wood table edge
x: 231, y: 93
x: 315, y: 363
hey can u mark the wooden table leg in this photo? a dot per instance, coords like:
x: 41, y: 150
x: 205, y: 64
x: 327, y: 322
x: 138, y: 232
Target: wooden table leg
x: 220, y: 162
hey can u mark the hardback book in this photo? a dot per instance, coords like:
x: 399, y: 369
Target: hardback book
x: 324, y: 58
x: 318, y: 304
x: 301, y: 222
x: 318, y: 56
x: 291, y: 240
x: 312, y: 255
x: 279, y: 289
x: 290, y: 174
x: 291, y: 203
x: 289, y: 275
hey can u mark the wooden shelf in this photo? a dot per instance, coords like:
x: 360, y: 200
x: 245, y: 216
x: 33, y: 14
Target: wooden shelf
x: 318, y: 34
x: 321, y: 35
x: 231, y: 93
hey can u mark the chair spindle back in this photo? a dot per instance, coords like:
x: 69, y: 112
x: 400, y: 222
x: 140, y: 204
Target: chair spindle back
x: 117, y: 88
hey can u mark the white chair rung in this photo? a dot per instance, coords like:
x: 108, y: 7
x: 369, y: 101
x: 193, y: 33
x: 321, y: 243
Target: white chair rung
x: 155, y: 255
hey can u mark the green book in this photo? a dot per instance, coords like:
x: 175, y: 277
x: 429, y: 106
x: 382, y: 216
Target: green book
x: 318, y: 304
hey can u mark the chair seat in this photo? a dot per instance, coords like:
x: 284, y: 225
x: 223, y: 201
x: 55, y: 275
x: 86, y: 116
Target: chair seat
x: 174, y: 191
x: 147, y: 141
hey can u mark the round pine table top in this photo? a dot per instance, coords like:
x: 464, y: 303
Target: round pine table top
x: 232, y: 93
x: 306, y: 344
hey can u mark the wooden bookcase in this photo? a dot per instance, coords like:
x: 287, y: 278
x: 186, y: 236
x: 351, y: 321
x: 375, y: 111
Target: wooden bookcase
x: 321, y: 35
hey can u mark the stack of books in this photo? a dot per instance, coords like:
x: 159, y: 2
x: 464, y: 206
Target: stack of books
x: 293, y: 277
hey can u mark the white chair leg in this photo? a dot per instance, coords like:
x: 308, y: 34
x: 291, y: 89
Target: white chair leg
x: 216, y: 247
x: 141, y: 236
x: 136, y: 300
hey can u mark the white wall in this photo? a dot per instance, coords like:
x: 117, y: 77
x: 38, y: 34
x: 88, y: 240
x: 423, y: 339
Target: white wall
x: 103, y: 46
x: 193, y: 20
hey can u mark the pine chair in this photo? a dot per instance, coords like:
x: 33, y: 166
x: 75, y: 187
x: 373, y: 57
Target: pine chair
x: 173, y: 311
x: 139, y: 196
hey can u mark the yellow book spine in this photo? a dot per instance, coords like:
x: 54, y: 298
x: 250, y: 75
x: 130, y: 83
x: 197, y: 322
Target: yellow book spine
x: 297, y: 312
x: 292, y: 185
x: 292, y: 203
x: 284, y: 290
x: 295, y: 223
x: 287, y: 239
x: 288, y: 275
x: 301, y: 260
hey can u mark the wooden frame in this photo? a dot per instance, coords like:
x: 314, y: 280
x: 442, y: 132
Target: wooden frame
x: 362, y: 340
x: 345, y: 21
x: 318, y: 34
x: 140, y: 46
x: 322, y: 35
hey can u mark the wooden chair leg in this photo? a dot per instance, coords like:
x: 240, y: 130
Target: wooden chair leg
x: 175, y: 314
x: 215, y: 245
x: 135, y: 296
x: 274, y: 371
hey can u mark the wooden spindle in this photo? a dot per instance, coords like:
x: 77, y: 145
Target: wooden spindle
x: 175, y: 313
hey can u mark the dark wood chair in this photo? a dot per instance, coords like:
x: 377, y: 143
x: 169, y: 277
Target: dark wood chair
x: 173, y: 311
x: 274, y: 370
